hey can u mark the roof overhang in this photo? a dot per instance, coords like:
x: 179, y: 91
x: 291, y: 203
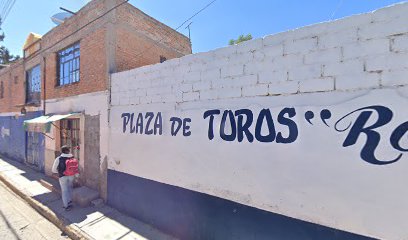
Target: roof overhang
x: 43, y: 124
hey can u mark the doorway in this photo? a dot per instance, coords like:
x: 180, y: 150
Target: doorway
x: 70, y: 135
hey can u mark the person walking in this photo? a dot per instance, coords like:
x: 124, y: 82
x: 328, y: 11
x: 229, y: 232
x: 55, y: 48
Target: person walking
x: 67, y: 167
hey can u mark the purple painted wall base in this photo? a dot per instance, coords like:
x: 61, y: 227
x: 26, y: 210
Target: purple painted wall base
x: 187, y: 214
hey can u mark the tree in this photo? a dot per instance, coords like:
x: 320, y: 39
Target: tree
x: 5, y: 56
x: 240, y: 39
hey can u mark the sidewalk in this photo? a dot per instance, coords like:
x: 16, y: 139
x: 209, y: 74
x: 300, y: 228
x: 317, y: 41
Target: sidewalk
x: 101, y: 222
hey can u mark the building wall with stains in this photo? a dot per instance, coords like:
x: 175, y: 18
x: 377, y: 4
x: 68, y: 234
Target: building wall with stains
x: 297, y: 135
x: 91, y: 109
x: 107, y: 45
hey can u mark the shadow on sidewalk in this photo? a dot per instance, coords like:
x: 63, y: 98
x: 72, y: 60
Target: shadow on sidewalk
x: 27, y: 172
x: 96, y: 222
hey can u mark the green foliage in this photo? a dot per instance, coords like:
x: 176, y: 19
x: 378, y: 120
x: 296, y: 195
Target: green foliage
x: 5, y: 56
x: 240, y: 39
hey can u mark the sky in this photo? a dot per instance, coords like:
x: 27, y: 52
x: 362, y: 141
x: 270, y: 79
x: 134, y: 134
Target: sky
x: 213, y: 28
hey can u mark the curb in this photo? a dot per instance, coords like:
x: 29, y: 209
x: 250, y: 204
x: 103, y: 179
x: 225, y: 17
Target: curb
x: 57, y: 219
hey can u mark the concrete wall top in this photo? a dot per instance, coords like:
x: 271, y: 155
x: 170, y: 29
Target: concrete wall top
x: 320, y: 57
x: 308, y: 123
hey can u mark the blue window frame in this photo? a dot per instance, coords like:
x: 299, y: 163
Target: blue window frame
x: 33, y: 90
x: 68, y: 65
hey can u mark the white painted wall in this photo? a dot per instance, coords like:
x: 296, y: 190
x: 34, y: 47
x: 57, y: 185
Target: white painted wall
x: 340, y: 66
x: 88, y: 104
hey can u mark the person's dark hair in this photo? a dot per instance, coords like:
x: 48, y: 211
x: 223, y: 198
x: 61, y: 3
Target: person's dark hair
x: 65, y: 149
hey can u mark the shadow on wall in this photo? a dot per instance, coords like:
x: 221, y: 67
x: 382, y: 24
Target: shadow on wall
x: 88, y: 217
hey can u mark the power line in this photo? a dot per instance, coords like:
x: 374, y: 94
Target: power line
x: 2, y: 5
x: 6, y: 10
x: 337, y: 9
x: 79, y: 29
x: 159, y: 41
x: 209, y: 4
x: 110, y: 10
x: 3, y: 10
x: 9, y: 9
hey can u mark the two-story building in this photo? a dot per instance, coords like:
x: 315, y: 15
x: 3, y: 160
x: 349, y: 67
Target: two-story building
x: 58, y: 93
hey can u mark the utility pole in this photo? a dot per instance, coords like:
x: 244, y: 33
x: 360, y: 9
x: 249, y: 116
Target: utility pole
x: 189, y: 33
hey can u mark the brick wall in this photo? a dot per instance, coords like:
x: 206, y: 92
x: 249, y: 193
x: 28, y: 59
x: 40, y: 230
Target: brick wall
x: 14, y: 84
x: 133, y: 33
x: 131, y: 17
x: 93, y: 72
x: 135, y: 50
x: 141, y: 40
x: 93, y: 60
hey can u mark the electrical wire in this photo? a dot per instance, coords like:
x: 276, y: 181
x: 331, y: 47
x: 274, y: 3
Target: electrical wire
x: 79, y: 29
x: 194, y: 15
x: 2, y: 5
x: 3, y: 9
x: 3, y: 12
x: 113, y: 8
x: 6, y: 10
x: 209, y: 4
x: 9, y: 9
x: 337, y: 9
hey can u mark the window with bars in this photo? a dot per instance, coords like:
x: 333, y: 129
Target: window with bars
x: 163, y: 59
x: 70, y: 135
x: 68, y: 65
x: 33, y: 87
x: 1, y: 89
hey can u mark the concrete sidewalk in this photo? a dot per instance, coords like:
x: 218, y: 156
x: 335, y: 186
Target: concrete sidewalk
x: 101, y: 222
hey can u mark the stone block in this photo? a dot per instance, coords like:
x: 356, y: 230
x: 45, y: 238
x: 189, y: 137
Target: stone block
x: 300, y: 45
x: 255, y: 90
x: 366, y: 48
x: 357, y: 81
x: 400, y: 43
x: 317, y: 85
x: 232, y: 70
x: 305, y: 72
x: 286, y: 87
x: 84, y: 196
x: 191, y: 96
x: 323, y: 56
x: 394, y: 78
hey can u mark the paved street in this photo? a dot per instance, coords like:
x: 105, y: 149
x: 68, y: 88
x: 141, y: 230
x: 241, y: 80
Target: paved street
x: 19, y: 221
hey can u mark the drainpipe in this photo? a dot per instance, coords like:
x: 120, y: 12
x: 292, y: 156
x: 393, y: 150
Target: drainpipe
x: 44, y: 81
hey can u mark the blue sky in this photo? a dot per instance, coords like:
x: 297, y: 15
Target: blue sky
x: 213, y: 28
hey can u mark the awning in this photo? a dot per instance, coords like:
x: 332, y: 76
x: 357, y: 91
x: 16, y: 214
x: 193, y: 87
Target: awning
x: 43, y: 124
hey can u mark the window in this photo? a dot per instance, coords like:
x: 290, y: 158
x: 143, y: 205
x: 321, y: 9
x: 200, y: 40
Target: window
x: 33, y: 87
x: 163, y: 59
x: 1, y: 89
x: 68, y: 65
x: 69, y: 132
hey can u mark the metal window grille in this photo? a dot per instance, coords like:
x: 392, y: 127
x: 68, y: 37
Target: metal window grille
x: 163, y: 59
x: 70, y: 135
x: 1, y: 89
x: 68, y: 65
x: 33, y: 90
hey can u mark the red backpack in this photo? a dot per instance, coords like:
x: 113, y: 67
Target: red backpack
x: 71, y: 167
